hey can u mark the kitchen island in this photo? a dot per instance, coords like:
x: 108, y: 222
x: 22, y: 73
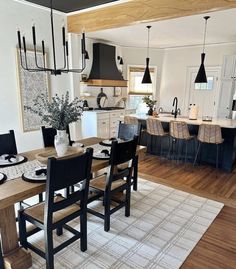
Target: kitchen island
x: 227, y: 151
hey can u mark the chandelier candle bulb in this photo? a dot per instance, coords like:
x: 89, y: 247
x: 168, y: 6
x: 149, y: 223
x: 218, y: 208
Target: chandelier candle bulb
x: 67, y: 50
x: 19, y: 39
x: 34, y: 35
x: 24, y: 45
x: 64, y: 36
x: 43, y: 47
x: 83, y: 43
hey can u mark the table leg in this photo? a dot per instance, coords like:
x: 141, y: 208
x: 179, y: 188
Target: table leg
x: 15, y: 257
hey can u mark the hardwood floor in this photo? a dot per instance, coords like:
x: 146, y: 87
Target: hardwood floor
x: 217, y: 248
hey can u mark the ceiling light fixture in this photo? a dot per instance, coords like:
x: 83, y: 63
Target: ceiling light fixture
x: 201, y: 75
x: 120, y: 59
x: 146, y: 76
x: 55, y: 70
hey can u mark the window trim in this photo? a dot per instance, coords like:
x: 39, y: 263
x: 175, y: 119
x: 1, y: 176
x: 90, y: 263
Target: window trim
x: 138, y: 68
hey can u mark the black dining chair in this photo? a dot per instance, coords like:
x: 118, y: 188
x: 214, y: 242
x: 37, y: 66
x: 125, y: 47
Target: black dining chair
x: 8, y: 146
x: 49, y: 134
x: 57, y: 211
x: 8, y: 143
x: 114, y: 182
x: 126, y: 132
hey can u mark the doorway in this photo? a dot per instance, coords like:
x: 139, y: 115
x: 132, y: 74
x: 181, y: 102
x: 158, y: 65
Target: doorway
x: 204, y: 95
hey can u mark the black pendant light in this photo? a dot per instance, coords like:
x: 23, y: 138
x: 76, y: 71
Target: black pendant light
x: 146, y: 77
x: 54, y: 70
x: 201, y: 75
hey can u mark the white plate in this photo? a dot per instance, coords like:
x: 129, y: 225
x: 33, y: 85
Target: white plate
x: 79, y: 145
x: 2, y: 176
x: 109, y: 142
x: 32, y: 177
x: 100, y: 156
x: 18, y: 159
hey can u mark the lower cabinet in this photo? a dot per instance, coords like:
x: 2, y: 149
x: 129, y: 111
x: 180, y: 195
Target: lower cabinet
x: 102, y: 123
x: 103, y: 128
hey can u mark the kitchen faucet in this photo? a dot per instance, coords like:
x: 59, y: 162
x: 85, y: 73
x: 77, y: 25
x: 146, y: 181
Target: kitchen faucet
x: 175, y: 112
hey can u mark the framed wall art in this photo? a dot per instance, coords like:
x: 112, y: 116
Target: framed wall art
x: 31, y: 84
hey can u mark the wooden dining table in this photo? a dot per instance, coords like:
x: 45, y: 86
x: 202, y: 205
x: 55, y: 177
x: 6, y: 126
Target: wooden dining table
x: 16, y: 190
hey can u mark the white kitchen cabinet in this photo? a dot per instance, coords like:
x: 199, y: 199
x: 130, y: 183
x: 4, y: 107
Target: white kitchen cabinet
x: 227, y: 86
x: 229, y: 67
x: 103, y: 128
x: 95, y: 123
x: 102, y: 123
x: 226, y: 99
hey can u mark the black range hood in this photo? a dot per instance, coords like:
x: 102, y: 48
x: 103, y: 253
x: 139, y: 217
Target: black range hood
x: 104, y: 70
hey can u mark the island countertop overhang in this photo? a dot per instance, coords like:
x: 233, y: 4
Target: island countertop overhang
x: 223, y: 123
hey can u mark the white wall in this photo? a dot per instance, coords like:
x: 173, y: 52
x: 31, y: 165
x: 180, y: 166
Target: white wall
x: 79, y: 88
x: 137, y: 56
x: 175, y: 65
x: 15, y: 15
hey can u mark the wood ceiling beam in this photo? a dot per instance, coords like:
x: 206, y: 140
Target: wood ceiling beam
x: 140, y: 11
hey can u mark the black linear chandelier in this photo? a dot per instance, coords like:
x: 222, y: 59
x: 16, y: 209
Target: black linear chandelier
x: 201, y: 75
x: 54, y: 71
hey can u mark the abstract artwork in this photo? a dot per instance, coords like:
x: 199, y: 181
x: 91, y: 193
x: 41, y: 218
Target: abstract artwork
x: 31, y: 84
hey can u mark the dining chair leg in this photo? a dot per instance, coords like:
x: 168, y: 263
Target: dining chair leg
x: 40, y: 198
x: 198, y: 149
x: 135, y: 174
x: 83, y: 231
x: 107, y: 201
x: 127, y: 202
x: 59, y: 231
x: 49, y: 256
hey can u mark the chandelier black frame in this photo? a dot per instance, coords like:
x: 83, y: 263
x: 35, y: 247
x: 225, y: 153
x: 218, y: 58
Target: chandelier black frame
x: 54, y: 71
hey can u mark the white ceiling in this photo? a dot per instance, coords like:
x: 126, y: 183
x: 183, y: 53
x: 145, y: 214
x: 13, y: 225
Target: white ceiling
x: 185, y: 31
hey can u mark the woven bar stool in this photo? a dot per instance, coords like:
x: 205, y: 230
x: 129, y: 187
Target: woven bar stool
x: 155, y: 128
x: 131, y: 120
x: 179, y: 131
x: 210, y: 134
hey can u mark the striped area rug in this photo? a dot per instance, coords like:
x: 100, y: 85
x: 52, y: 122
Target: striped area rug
x: 164, y: 227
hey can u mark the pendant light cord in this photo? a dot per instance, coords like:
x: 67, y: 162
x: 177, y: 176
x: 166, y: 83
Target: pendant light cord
x: 148, y: 27
x: 205, y: 31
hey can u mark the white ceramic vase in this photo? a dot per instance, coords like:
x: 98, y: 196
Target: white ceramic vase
x: 61, y: 142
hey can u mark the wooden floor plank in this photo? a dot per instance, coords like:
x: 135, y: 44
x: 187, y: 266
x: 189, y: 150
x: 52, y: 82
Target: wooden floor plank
x: 217, y: 248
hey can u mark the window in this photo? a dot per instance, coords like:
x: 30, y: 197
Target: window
x: 205, y: 86
x: 137, y: 90
x: 135, y: 76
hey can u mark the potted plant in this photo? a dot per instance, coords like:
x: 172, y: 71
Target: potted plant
x: 58, y: 113
x: 149, y: 103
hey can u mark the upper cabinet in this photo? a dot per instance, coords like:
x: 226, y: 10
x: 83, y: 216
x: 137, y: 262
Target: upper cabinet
x: 227, y: 87
x: 229, y: 67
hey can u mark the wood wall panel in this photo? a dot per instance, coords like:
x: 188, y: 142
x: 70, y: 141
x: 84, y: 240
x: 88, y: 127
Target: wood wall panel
x: 138, y: 11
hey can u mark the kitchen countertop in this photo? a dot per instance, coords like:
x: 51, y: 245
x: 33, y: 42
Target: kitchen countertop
x: 224, y: 123
x: 105, y: 111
